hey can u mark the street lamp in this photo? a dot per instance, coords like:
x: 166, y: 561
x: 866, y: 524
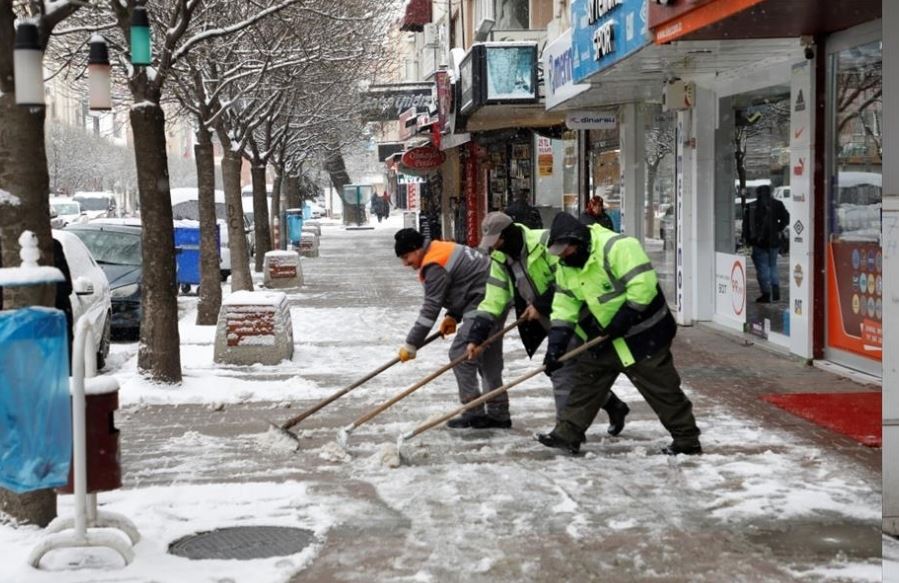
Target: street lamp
x: 141, y: 47
x: 99, y: 78
x: 28, y: 66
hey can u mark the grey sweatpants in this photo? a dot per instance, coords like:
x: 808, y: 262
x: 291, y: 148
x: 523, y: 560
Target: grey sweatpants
x: 489, y: 365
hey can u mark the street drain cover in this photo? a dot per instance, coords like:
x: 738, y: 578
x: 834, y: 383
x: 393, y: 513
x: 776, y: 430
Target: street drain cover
x: 243, y: 542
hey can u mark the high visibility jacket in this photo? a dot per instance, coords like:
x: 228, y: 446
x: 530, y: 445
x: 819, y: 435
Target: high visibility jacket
x: 529, y: 279
x: 453, y: 277
x: 615, y: 293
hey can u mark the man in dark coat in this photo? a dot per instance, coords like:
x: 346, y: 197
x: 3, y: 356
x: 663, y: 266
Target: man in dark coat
x: 763, y: 222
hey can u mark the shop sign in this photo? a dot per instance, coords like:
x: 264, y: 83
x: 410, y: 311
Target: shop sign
x: 673, y: 19
x: 444, y: 100
x: 605, y: 32
x: 558, y: 57
x: 423, y: 158
x: 587, y: 120
x: 407, y: 121
x: 544, y: 156
x: 498, y: 73
x: 409, y: 179
x: 730, y: 289
x: 387, y: 102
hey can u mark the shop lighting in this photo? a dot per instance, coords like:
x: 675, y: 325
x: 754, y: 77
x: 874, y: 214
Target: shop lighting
x: 28, y: 66
x: 141, y: 46
x: 99, y: 75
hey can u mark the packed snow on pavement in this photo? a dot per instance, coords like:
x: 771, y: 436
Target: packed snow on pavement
x: 477, y: 505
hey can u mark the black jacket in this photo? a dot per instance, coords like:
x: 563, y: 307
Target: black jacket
x: 763, y: 221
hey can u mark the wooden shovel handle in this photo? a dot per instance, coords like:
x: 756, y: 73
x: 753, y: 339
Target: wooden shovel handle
x: 452, y: 364
x: 327, y: 401
x: 495, y: 392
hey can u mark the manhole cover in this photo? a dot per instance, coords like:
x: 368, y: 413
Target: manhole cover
x: 243, y: 542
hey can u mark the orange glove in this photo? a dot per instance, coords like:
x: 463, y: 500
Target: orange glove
x: 406, y: 352
x: 447, y: 326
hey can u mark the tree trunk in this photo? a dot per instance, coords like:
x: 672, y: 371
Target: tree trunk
x: 292, y: 196
x: 277, y: 227
x: 260, y: 212
x: 210, y: 292
x: 23, y: 174
x: 159, y: 356
x: 237, y: 237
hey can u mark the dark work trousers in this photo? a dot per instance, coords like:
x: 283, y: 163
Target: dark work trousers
x: 488, y: 365
x: 564, y: 378
x: 655, y: 378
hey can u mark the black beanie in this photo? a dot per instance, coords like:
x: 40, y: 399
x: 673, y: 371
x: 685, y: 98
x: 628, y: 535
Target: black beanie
x: 407, y: 240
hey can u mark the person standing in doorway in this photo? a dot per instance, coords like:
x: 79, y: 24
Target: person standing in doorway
x: 763, y: 222
x: 453, y: 277
x: 595, y: 214
x: 522, y: 212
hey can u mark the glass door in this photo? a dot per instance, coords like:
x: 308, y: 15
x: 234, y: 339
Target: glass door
x: 854, y: 266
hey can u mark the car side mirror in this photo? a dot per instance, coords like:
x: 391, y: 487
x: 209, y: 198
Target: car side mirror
x: 83, y: 286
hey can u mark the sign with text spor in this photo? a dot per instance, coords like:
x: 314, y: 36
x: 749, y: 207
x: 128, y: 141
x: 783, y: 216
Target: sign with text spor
x: 605, y: 32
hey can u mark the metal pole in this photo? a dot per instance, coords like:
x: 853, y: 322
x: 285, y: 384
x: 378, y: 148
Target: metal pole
x: 84, y: 359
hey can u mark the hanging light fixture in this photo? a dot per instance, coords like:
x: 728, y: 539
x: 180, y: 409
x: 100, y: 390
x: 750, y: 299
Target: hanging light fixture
x: 99, y: 75
x: 141, y: 46
x: 28, y: 66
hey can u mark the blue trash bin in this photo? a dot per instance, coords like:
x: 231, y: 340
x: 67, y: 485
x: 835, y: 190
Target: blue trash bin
x: 187, y: 253
x: 294, y: 220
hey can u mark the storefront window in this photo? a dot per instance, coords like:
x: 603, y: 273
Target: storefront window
x: 660, y: 241
x: 569, y: 173
x: 854, y: 260
x: 753, y: 205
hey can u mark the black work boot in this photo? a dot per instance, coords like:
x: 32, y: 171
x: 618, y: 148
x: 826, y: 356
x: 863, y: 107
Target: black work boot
x: 676, y: 449
x: 775, y: 293
x: 552, y: 440
x: 465, y: 421
x: 617, y: 411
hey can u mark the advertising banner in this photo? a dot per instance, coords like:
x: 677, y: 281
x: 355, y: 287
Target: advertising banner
x: 799, y: 204
x: 730, y: 290
x: 855, y: 297
x: 605, y: 32
x: 558, y: 57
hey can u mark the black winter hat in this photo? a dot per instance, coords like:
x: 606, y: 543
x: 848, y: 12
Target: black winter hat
x: 566, y: 230
x: 407, y: 240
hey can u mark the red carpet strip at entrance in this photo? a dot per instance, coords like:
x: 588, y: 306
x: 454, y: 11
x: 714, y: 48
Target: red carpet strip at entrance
x: 856, y: 415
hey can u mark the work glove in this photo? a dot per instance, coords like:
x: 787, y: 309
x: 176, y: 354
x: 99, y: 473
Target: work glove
x: 406, y: 352
x: 558, y: 339
x: 447, y: 326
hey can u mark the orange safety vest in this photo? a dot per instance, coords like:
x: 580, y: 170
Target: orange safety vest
x: 439, y: 252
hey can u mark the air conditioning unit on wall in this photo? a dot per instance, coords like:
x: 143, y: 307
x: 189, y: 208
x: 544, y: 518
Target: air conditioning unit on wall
x: 678, y: 95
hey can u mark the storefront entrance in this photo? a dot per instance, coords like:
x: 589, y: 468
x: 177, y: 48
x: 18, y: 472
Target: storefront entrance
x: 854, y: 262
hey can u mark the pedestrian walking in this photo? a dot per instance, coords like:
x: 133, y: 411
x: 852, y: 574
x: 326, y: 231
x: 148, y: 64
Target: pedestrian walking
x: 385, y: 204
x: 453, y: 277
x: 524, y: 213
x: 522, y: 274
x: 607, y: 285
x: 595, y: 214
x: 763, y: 223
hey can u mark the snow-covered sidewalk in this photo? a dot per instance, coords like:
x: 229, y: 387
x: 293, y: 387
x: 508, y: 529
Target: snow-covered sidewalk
x: 761, y: 505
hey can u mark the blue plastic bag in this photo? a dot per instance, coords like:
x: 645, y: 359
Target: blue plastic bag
x: 35, y: 408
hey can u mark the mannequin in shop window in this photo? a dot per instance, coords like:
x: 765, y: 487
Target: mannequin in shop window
x: 595, y: 214
x: 763, y: 222
x: 524, y: 213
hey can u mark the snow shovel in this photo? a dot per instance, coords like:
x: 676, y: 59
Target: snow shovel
x: 345, y: 432
x: 495, y: 392
x: 285, y: 427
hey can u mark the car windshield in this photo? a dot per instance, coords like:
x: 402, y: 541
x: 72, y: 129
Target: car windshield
x: 190, y: 210
x: 111, y: 247
x: 94, y: 203
x: 66, y: 208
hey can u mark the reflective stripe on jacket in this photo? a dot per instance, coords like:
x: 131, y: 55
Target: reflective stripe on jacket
x: 617, y: 280
x: 453, y: 277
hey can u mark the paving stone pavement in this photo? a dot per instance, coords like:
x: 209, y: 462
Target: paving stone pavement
x: 671, y: 538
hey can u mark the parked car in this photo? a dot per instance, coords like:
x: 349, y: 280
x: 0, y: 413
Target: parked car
x: 96, y: 204
x: 67, y: 210
x: 185, y: 206
x: 90, y: 296
x: 116, y: 247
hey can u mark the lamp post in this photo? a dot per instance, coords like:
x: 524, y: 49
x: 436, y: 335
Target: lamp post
x: 28, y: 66
x: 141, y: 47
x: 99, y: 77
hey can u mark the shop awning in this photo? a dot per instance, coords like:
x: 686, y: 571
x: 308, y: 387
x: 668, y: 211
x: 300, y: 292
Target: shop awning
x: 417, y: 15
x: 757, y: 19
